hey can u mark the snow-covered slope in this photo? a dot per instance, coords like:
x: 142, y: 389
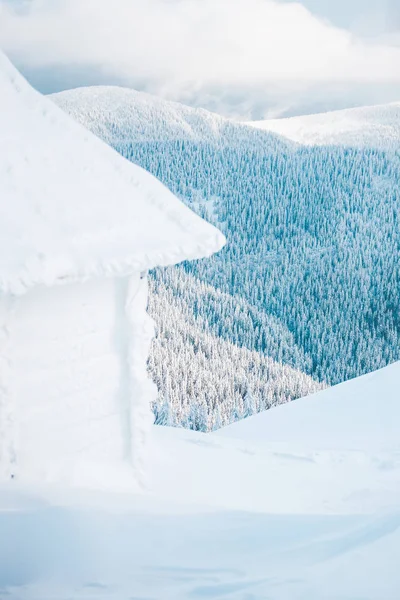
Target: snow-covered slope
x: 135, y: 114
x: 359, y: 414
x: 70, y: 206
x: 119, y: 115
x: 369, y: 126
x: 242, y: 518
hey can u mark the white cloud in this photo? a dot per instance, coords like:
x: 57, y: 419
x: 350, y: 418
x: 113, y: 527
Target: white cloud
x: 184, y: 48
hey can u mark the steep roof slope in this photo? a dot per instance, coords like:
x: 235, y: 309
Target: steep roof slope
x: 377, y: 126
x: 71, y: 207
x: 358, y: 414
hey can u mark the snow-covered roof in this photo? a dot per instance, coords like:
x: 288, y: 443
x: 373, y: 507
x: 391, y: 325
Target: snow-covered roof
x: 72, y: 208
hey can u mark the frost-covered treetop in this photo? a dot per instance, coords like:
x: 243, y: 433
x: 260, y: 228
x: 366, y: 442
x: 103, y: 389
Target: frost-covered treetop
x: 72, y: 208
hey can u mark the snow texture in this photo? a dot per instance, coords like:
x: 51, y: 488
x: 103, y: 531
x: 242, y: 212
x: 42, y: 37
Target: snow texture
x: 367, y: 126
x: 72, y: 208
x: 244, y: 518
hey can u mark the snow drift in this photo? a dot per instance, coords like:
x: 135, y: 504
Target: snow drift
x: 226, y: 517
x: 355, y: 415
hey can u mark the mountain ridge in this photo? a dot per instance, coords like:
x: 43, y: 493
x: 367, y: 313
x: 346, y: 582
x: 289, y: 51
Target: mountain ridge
x: 121, y: 114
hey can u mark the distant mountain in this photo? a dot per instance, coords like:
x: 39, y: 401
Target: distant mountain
x: 310, y: 276
x: 120, y: 115
x: 369, y: 126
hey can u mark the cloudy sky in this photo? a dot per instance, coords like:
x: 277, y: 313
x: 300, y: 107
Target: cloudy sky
x: 243, y: 58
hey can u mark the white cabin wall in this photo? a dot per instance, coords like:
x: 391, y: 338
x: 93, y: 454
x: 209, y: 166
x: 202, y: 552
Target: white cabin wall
x: 74, y: 387
x: 67, y: 369
x: 8, y: 439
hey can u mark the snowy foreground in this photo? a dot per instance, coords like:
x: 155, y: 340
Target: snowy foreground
x: 302, y: 502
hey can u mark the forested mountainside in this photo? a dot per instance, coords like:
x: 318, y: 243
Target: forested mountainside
x: 376, y: 126
x: 313, y: 240
x: 205, y: 381
x: 310, y: 276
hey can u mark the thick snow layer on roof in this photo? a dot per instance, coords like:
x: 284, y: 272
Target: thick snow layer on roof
x: 72, y: 208
x: 376, y: 126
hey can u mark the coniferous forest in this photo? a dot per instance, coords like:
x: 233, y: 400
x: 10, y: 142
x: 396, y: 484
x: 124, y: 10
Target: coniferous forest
x: 310, y: 274
x: 305, y: 293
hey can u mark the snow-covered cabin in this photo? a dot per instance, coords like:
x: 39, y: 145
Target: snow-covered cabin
x: 79, y: 228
